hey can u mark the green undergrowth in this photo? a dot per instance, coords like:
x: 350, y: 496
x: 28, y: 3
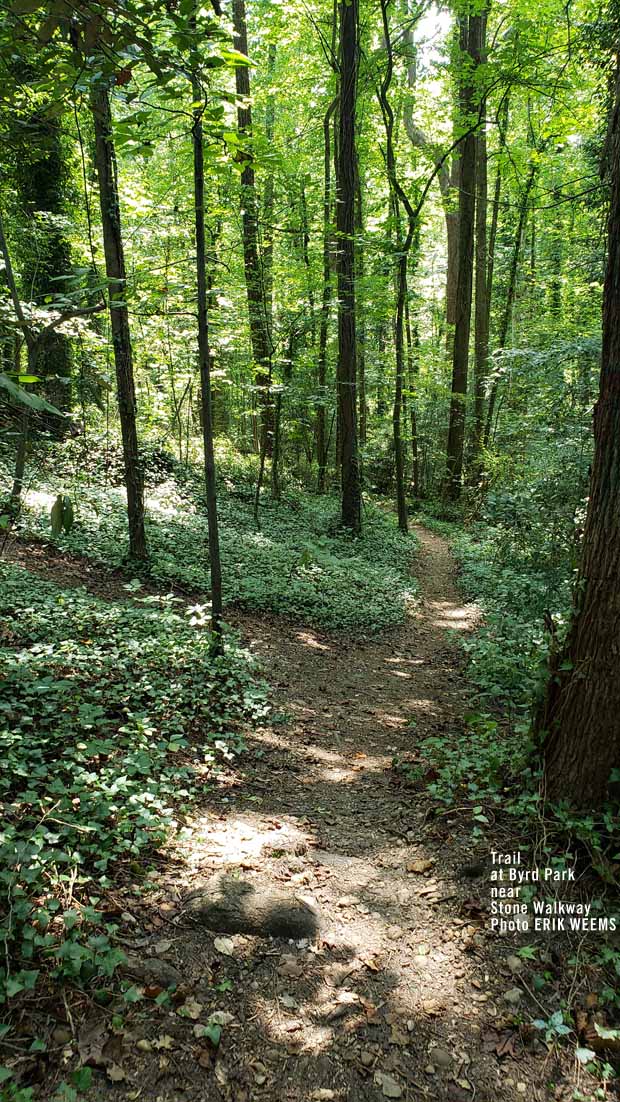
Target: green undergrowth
x: 514, y: 588
x: 298, y: 563
x: 112, y: 717
x: 490, y: 763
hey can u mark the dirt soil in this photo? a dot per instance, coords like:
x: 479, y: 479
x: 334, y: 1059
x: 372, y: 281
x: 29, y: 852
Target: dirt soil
x: 404, y: 992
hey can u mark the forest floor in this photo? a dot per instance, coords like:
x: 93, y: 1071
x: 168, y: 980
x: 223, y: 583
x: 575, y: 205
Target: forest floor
x: 404, y: 992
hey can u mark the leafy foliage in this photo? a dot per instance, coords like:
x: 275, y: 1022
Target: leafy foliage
x: 107, y: 711
x: 298, y: 563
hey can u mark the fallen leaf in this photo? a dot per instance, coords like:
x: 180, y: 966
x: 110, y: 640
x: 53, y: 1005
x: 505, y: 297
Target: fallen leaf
x: 221, y: 1073
x: 190, y: 1009
x: 420, y: 865
x: 164, y: 1042
x: 116, y: 1073
x: 225, y: 946
x: 221, y: 1017
x: 372, y: 963
x: 90, y: 1046
x: 290, y: 966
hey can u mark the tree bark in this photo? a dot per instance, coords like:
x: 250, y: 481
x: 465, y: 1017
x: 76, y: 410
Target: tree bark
x: 345, y: 265
x: 412, y: 370
x: 360, y: 305
x: 41, y: 176
x: 321, y: 419
x: 204, y: 357
x: 268, y: 200
x: 582, y: 705
x: 482, y: 308
x: 398, y: 198
x: 255, y: 287
x: 119, y: 315
x: 471, y: 28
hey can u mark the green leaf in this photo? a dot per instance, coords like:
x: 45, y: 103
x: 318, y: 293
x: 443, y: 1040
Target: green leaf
x: 133, y: 995
x: 213, y: 1033
x: 23, y: 398
x: 82, y: 1078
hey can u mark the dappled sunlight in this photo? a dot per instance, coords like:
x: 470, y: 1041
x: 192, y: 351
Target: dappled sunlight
x: 402, y: 660
x: 309, y: 639
x: 235, y: 839
x: 446, y: 615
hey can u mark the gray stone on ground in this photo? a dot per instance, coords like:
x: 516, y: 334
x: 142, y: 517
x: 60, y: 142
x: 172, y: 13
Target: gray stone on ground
x: 232, y: 906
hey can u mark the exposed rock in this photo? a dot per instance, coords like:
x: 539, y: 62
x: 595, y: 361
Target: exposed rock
x: 237, y: 907
x: 152, y: 971
x: 441, y: 1057
x: 514, y: 996
x: 515, y: 964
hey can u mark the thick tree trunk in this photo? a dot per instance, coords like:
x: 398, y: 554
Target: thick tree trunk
x: 257, y: 303
x: 583, y: 696
x: 345, y: 226
x: 41, y: 179
x: 119, y: 315
x: 204, y: 357
x: 471, y: 40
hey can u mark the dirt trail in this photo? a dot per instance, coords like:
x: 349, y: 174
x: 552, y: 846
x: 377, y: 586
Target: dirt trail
x: 401, y: 995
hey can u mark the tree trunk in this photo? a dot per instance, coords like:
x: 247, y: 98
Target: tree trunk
x: 397, y: 198
x: 511, y: 293
x: 119, y: 315
x: 321, y: 419
x: 19, y: 470
x: 412, y: 369
x: 482, y: 308
x: 360, y: 305
x: 41, y: 176
x: 345, y: 225
x: 399, y: 460
x: 204, y: 357
x: 278, y: 431
x: 583, y: 695
x: 268, y: 200
x: 255, y: 288
x: 471, y: 28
